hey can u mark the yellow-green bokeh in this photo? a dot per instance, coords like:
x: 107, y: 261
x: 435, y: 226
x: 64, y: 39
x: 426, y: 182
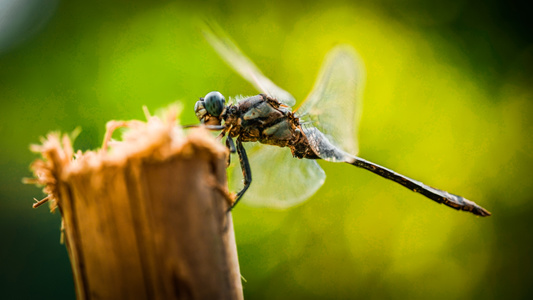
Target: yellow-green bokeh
x: 435, y: 109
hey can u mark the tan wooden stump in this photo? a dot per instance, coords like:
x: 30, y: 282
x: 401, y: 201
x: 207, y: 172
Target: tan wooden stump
x: 144, y: 218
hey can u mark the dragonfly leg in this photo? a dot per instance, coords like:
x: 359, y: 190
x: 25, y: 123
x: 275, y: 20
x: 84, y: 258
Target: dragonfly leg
x: 231, y: 147
x: 208, y: 127
x: 246, y: 172
x: 230, y: 144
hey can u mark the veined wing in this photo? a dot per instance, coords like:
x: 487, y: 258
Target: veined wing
x: 244, y: 66
x: 334, y: 105
x: 278, y: 179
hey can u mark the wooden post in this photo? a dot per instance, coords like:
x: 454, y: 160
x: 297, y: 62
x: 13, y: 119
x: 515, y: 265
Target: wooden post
x: 146, y: 219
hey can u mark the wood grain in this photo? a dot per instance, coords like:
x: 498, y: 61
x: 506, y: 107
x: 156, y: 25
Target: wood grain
x: 147, y: 218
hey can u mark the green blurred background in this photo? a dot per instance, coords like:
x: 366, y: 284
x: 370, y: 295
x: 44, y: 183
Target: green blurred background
x: 448, y: 101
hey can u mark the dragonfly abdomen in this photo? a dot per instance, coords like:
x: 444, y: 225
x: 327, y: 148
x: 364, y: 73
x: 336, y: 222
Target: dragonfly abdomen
x: 439, y: 196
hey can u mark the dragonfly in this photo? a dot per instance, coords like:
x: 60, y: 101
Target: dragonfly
x: 323, y: 127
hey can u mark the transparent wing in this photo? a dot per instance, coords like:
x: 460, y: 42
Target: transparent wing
x: 278, y: 179
x: 243, y: 65
x: 334, y: 105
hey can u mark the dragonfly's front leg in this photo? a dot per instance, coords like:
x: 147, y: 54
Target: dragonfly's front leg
x: 231, y: 147
x: 208, y: 127
x: 246, y: 172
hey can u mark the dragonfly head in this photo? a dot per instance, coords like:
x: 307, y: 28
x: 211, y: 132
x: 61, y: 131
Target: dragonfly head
x: 210, y: 108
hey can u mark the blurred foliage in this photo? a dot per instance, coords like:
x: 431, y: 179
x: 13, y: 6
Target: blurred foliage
x: 448, y: 101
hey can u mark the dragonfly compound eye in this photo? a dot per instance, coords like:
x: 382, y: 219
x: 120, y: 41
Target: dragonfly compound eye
x: 214, y: 103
